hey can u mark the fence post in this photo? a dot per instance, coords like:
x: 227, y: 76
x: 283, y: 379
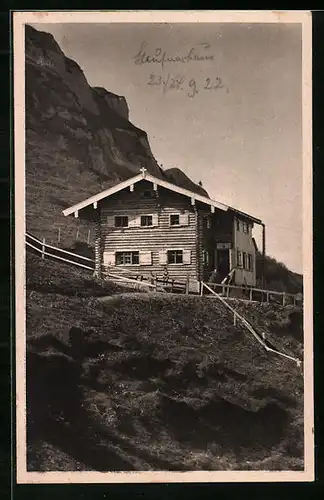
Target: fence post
x: 267, y: 296
x: 234, y: 319
x: 88, y: 240
x: 43, y: 249
x: 201, y: 288
x: 284, y: 298
x: 59, y: 235
x: 77, y: 234
x: 250, y: 294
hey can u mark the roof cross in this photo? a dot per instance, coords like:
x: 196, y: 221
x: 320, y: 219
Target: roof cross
x: 143, y: 170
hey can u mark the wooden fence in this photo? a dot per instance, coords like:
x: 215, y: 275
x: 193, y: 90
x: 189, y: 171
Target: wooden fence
x: 156, y: 282
x: 41, y: 247
x: 256, y: 294
x: 238, y: 317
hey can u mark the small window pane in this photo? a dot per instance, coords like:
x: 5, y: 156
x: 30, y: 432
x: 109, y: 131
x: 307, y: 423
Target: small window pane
x: 146, y: 220
x: 239, y: 258
x: 175, y: 256
x: 174, y: 220
x: 207, y: 222
x: 147, y: 194
x: 121, y: 221
x: 123, y: 258
x: 135, y: 257
x: 206, y: 258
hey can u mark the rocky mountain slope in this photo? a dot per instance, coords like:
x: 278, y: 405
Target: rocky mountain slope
x: 79, y: 139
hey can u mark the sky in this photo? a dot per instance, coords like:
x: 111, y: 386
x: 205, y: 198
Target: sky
x: 243, y: 141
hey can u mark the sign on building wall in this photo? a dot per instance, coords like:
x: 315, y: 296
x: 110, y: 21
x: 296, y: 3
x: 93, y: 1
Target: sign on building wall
x: 223, y: 246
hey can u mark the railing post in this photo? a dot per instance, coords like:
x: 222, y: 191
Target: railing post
x: 201, y: 287
x: 43, y: 249
x: 234, y: 319
x: 267, y: 296
x: 250, y: 294
x: 284, y: 298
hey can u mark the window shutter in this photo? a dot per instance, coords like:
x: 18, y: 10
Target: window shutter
x: 134, y: 221
x: 187, y: 256
x: 110, y: 220
x: 155, y: 220
x: 145, y: 258
x: 184, y: 219
x: 163, y: 257
x: 109, y: 259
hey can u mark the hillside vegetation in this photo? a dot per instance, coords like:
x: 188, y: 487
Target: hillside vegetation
x: 112, y: 387
x: 277, y: 276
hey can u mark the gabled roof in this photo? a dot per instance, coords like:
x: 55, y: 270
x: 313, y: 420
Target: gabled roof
x: 159, y: 182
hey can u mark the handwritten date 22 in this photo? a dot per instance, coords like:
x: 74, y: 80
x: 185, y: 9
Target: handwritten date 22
x: 191, y: 85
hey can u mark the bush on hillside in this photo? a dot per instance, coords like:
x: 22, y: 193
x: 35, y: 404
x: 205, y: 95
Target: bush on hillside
x: 277, y: 276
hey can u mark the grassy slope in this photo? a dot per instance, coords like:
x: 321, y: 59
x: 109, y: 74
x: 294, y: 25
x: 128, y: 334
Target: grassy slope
x: 187, y: 392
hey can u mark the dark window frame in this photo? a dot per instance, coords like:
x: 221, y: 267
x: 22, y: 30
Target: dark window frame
x: 147, y: 194
x: 174, y: 223
x: 133, y: 255
x: 175, y: 256
x: 239, y: 259
x: 146, y: 217
x: 121, y: 218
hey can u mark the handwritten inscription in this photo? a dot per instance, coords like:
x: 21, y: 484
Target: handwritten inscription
x: 192, y: 86
x: 160, y: 56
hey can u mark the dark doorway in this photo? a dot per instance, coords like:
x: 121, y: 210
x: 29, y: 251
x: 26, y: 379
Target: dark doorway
x: 222, y: 264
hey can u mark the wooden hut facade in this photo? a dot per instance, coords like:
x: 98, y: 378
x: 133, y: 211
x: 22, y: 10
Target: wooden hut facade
x: 155, y: 228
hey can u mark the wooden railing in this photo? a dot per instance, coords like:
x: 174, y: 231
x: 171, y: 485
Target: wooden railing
x: 238, y: 317
x: 173, y: 285
x: 256, y: 294
x: 56, y: 253
x: 49, y: 251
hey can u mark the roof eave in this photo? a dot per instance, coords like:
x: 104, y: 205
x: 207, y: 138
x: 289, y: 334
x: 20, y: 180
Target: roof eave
x: 167, y: 185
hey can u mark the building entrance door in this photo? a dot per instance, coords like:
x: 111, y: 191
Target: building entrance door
x: 222, y: 263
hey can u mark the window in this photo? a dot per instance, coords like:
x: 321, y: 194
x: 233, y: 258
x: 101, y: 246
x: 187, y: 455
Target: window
x: 250, y: 261
x: 146, y: 220
x: 174, y: 220
x: 207, y: 222
x: 245, y: 260
x: 175, y: 256
x: 239, y: 258
x: 245, y: 227
x: 206, y: 255
x: 123, y: 258
x: 237, y: 224
x: 121, y: 221
x: 147, y: 194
